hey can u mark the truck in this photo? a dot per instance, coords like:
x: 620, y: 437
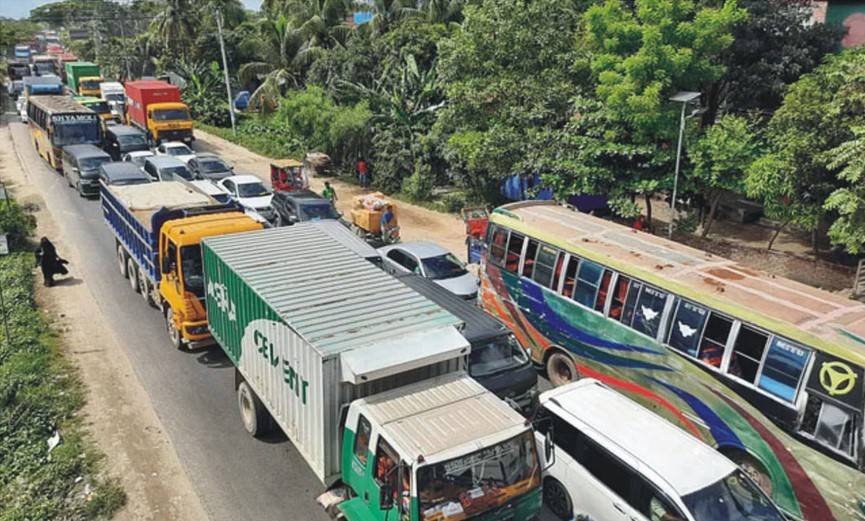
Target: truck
x: 154, y: 106
x: 366, y: 378
x: 22, y: 51
x: 42, y: 86
x: 83, y: 78
x: 158, y: 229
x: 114, y: 93
x: 43, y: 65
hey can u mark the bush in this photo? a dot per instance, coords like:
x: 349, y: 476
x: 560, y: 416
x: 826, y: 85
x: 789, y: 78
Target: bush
x: 16, y: 223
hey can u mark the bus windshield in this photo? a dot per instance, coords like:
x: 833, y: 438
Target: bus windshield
x: 734, y: 498
x: 171, y: 115
x: 480, y: 481
x: 77, y: 129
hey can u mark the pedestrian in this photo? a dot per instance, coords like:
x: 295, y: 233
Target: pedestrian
x: 388, y: 223
x: 362, y: 173
x: 640, y: 224
x: 50, y: 263
x: 329, y: 193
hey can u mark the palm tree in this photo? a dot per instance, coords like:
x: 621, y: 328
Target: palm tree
x: 172, y: 28
x: 279, y: 44
x: 442, y: 11
x: 321, y: 24
x: 384, y: 12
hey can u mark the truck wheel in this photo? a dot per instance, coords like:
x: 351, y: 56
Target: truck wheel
x: 145, y: 287
x: 557, y: 499
x: 254, y: 415
x: 132, y: 271
x: 561, y: 369
x: 173, y: 333
x: 121, y: 261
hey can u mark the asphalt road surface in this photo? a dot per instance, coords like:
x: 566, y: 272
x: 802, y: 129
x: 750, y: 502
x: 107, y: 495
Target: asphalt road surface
x: 235, y: 475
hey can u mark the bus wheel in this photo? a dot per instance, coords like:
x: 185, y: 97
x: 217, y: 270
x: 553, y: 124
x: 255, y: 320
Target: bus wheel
x: 256, y: 419
x: 752, y: 467
x: 561, y: 369
x: 557, y: 499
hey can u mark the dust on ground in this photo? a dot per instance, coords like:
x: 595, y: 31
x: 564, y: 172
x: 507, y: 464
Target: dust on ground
x: 119, y: 415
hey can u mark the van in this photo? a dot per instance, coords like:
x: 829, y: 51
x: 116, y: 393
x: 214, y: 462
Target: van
x: 497, y: 360
x: 121, y: 174
x: 81, y: 167
x: 123, y: 139
x: 611, y: 459
x: 166, y: 168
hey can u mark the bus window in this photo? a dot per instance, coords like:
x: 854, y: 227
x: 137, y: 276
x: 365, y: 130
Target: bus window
x: 747, y: 354
x: 650, y: 307
x: 620, y: 293
x: 588, y: 280
x: 715, y: 340
x: 570, y: 276
x: 631, y: 302
x: 515, y: 249
x: 497, y: 243
x: 686, y: 327
x: 545, y: 265
x: 529, y: 260
x: 603, y: 289
x: 830, y: 425
x: 783, y: 368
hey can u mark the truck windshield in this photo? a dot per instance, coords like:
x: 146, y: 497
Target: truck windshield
x: 171, y: 115
x: 499, y: 355
x: 480, y: 481
x: 132, y: 141
x: 734, y: 498
x: 76, y: 129
x: 114, y: 96
x: 90, y: 85
x: 99, y: 107
x: 191, y: 267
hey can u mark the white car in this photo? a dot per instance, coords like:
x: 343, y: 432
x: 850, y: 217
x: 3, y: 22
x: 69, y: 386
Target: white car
x: 138, y: 157
x: 176, y: 150
x: 251, y: 193
x: 431, y: 261
x: 211, y: 189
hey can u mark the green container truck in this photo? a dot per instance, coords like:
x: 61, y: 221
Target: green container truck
x: 366, y: 378
x: 83, y: 78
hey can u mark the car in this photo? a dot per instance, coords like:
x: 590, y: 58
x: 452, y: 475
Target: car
x: 176, y: 150
x: 209, y: 166
x: 301, y: 206
x: 137, y: 157
x: 211, y: 189
x: 608, y: 457
x: 166, y: 168
x: 431, y: 261
x: 251, y: 193
x: 122, y: 174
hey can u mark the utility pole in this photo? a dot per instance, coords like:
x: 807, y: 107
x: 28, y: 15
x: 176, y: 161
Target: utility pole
x: 225, y: 69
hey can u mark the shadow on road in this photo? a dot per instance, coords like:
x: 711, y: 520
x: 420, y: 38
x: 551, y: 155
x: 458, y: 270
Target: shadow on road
x: 215, y: 358
x: 68, y: 281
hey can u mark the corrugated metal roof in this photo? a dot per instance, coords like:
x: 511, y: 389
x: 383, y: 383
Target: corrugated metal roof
x: 329, y: 295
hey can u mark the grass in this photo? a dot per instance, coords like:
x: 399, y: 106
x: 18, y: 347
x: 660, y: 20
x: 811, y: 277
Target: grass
x: 258, y: 138
x: 40, y: 395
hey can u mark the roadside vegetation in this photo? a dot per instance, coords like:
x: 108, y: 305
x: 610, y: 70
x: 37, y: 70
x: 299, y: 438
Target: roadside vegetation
x: 49, y: 469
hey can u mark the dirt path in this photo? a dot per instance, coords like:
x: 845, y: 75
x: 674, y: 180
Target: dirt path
x: 416, y: 223
x: 119, y: 414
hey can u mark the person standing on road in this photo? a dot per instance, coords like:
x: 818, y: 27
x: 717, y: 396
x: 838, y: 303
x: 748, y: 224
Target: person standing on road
x: 50, y: 263
x: 362, y: 173
x: 329, y: 193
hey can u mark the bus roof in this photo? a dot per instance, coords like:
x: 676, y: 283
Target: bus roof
x: 59, y: 105
x: 797, y: 311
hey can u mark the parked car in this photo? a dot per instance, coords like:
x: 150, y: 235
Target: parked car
x: 176, y: 150
x: 301, y: 206
x: 250, y: 192
x: 137, y: 158
x: 165, y: 168
x: 431, y: 261
x: 615, y: 460
x: 209, y: 166
x: 123, y: 139
x: 211, y: 189
x: 81, y: 167
x: 122, y: 174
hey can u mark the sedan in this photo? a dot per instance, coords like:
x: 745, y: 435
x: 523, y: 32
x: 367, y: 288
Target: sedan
x: 250, y: 192
x: 430, y: 260
x: 210, y: 167
x: 138, y: 157
x: 176, y: 150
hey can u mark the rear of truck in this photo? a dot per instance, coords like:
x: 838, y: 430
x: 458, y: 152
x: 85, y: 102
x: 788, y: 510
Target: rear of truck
x: 155, y: 107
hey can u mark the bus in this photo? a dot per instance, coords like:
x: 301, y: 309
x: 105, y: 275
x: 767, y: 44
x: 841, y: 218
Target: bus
x: 57, y: 121
x: 766, y: 370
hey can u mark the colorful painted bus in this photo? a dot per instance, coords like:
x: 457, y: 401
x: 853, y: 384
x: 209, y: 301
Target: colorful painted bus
x: 57, y: 121
x: 766, y: 370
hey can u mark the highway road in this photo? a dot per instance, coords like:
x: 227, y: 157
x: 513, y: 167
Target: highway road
x: 235, y: 475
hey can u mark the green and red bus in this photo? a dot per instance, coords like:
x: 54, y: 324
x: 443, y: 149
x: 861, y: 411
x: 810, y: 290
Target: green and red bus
x: 768, y: 371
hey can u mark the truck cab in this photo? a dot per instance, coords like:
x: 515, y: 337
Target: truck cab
x: 89, y: 86
x: 169, y: 122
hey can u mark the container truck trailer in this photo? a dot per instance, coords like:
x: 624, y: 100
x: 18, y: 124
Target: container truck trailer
x: 366, y: 378
x: 158, y: 228
x: 154, y: 106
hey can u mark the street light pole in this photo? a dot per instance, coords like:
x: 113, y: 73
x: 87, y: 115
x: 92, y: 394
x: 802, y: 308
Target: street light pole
x: 684, y: 98
x: 225, y: 69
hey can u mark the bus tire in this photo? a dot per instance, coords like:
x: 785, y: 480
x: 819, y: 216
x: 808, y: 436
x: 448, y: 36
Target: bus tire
x: 132, y: 272
x: 561, y: 369
x: 174, y: 334
x: 558, y: 500
x: 253, y: 414
x: 121, y: 261
x: 752, y: 467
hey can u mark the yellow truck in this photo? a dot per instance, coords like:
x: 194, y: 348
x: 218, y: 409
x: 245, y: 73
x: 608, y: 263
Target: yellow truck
x: 154, y: 107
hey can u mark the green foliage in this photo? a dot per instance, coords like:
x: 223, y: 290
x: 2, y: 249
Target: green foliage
x: 848, y: 230
x: 204, y: 92
x: 17, y: 224
x: 14, y: 31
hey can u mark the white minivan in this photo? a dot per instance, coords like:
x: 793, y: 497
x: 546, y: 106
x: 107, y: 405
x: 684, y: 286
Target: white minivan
x: 614, y: 460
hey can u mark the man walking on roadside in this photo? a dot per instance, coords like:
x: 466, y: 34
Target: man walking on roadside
x: 329, y: 193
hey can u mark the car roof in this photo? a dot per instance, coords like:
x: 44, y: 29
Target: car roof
x: 657, y: 445
x: 164, y: 161
x: 118, y: 130
x: 174, y: 144
x: 422, y: 249
x: 245, y: 178
x: 209, y: 155
x: 84, y: 151
x: 208, y: 187
x: 123, y: 170
x: 139, y: 153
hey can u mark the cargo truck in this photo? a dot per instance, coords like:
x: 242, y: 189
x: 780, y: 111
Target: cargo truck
x: 158, y: 228
x: 42, y: 86
x: 114, y: 93
x: 154, y: 106
x: 366, y: 378
x: 83, y: 78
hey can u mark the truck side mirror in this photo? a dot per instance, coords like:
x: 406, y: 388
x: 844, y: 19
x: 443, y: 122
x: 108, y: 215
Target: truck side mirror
x: 165, y: 268
x: 385, y: 497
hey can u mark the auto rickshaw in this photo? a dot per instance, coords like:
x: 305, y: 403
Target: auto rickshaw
x: 476, y: 219
x: 288, y: 175
x: 366, y: 213
x: 318, y: 164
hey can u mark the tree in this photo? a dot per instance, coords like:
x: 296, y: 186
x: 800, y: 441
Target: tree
x: 278, y: 44
x: 720, y: 159
x: 173, y: 29
x: 848, y: 202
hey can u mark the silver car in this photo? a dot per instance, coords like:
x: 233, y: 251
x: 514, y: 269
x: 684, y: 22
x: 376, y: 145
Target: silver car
x: 431, y: 261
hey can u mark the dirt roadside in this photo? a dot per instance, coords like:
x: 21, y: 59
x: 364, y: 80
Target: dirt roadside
x: 118, y: 412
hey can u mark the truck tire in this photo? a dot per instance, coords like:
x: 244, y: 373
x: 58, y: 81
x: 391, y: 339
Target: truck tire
x: 132, y: 273
x: 145, y: 287
x: 256, y: 420
x: 174, y: 334
x: 121, y: 261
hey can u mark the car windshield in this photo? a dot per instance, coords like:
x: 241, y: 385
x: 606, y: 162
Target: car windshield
x: 169, y: 173
x: 734, y: 498
x: 481, y: 481
x: 252, y: 190
x: 210, y: 166
x: 443, y: 267
x: 191, y: 267
x: 132, y: 140
x: 92, y: 163
x: 317, y: 212
x: 499, y: 355
x: 171, y: 115
x: 178, y: 150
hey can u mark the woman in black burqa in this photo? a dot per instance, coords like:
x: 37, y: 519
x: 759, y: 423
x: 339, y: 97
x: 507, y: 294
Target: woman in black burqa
x: 48, y: 260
